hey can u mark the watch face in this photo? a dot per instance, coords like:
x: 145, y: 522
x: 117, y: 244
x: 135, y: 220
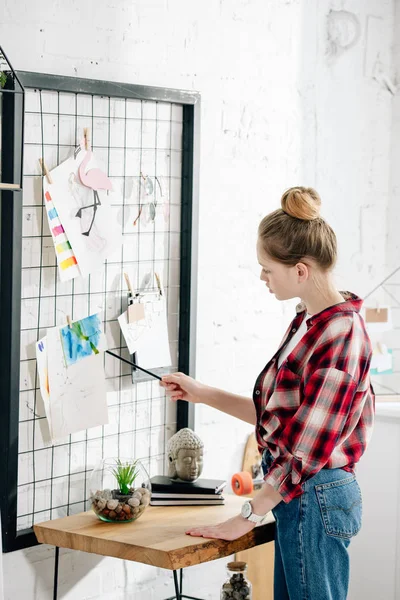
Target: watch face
x: 246, y: 510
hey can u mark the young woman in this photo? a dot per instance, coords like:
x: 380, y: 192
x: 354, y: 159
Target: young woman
x: 313, y: 409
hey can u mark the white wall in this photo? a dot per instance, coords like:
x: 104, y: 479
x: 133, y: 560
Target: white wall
x: 393, y: 237
x: 281, y: 105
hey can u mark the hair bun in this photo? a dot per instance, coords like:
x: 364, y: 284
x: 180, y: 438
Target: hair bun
x: 302, y: 203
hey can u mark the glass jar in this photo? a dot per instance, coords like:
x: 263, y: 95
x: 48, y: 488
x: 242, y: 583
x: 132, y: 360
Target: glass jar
x: 237, y: 586
x: 119, y: 490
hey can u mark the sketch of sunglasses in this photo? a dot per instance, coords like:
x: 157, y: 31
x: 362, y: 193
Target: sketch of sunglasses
x: 151, y: 205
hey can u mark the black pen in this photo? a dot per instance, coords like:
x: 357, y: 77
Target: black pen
x: 134, y: 365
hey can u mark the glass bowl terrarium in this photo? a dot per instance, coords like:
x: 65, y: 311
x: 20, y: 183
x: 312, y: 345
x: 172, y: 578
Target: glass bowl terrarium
x: 120, y: 490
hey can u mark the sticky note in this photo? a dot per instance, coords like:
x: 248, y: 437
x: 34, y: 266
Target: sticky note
x: 135, y: 312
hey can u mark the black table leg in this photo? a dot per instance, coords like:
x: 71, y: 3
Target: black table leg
x: 55, y: 588
x: 177, y: 588
x: 179, y: 595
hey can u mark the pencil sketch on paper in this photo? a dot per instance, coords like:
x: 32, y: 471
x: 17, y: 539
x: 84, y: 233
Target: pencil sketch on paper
x: 94, y: 179
x: 148, y: 337
x: 78, y: 398
x: 90, y: 223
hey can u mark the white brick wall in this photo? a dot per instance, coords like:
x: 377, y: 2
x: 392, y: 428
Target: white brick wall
x: 393, y: 240
x: 281, y: 105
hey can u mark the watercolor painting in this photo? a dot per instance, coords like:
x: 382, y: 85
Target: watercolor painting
x: 82, y: 339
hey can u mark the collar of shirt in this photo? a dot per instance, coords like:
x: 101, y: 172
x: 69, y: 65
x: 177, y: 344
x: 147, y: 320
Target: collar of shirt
x: 352, y: 303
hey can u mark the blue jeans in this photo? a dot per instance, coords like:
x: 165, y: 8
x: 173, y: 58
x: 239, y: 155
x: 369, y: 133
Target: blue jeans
x: 313, y: 532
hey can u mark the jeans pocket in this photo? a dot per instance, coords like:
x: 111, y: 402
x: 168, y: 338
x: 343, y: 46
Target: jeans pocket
x: 340, y: 504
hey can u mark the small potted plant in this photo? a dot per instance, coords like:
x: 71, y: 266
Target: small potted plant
x: 120, y: 490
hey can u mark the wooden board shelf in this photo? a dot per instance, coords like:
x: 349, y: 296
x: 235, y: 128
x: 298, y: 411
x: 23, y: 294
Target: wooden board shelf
x: 9, y: 186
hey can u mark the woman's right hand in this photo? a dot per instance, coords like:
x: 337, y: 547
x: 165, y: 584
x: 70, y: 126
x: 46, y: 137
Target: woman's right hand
x: 179, y: 386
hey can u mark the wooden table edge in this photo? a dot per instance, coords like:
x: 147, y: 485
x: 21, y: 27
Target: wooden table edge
x: 206, y: 550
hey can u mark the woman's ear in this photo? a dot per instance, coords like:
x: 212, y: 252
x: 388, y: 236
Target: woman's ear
x: 302, y: 272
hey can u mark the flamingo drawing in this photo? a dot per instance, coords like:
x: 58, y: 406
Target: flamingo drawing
x: 96, y: 180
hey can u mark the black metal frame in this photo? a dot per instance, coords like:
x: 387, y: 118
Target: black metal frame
x: 13, y: 96
x: 10, y: 269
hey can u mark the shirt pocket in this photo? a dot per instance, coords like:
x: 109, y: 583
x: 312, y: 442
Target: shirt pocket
x: 286, y: 394
x: 340, y: 503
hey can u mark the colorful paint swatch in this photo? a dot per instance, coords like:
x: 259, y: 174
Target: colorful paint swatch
x: 68, y: 262
x: 82, y: 338
x: 66, y: 259
x: 57, y: 230
x: 63, y: 247
x: 53, y: 214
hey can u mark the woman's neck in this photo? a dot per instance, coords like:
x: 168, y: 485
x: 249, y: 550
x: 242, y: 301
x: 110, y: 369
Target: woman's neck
x: 320, y: 298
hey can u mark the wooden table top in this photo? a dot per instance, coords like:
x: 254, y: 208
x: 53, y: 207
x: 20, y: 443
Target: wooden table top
x: 158, y: 538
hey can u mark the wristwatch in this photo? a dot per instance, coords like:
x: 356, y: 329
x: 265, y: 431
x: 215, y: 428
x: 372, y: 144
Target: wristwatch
x: 247, y: 513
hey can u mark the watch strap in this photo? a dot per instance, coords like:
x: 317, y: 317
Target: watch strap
x: 255, y: 518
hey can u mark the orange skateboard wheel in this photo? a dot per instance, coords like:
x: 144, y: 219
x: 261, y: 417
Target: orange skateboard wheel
x: 242, y: 483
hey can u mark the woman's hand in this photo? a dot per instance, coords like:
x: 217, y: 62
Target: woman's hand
x: 179, y: 386
x: 228, y: 530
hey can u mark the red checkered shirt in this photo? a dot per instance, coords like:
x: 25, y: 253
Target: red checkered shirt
x: 317, y: 410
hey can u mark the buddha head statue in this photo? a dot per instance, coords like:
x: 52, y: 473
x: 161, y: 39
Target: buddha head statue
x: 185, y: 455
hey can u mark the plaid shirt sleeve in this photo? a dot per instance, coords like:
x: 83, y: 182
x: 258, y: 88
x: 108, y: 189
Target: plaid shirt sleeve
x: 309, y: 438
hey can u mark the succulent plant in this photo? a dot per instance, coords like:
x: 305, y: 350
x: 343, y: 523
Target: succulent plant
x: 125, y: 473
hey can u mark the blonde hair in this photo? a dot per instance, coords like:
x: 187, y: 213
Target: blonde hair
x: 297, y: 232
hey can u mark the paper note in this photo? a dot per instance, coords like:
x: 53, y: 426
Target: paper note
x: 78, y: 398
x: 378, y: 319
x: 153, y: 348
x: 135, y: 312
x: 382, y: 360
x: 85, y: 212
x: 148, y: 337
x: 132, y: 331
x: 43, y: 373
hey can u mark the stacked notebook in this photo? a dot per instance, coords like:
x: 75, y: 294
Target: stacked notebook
x: 168, y: 492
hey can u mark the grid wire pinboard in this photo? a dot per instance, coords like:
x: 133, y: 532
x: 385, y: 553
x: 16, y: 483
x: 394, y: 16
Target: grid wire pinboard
x: 132, y: 139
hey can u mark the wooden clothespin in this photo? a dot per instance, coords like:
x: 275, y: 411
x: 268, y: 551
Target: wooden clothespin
x: 128, y: 283
x: 135, y: 311
x: 69, y: 321
x: 86, y: 137
x: 45, y: 170
x: 158, y: 282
